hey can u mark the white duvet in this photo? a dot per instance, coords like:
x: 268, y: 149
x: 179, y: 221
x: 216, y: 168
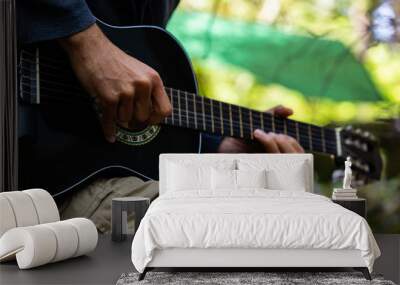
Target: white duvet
x: 250, y: 219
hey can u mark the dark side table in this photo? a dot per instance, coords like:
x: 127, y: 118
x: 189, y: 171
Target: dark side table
x: 358, y: 206
x: 121, y: 208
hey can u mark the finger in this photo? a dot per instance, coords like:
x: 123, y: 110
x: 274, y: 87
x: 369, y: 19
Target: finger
x: 267, y: 141
x: 142, y: 106
x: 109, y: 112
x: 161, y: 105
x: 295, y: 144
x: 125, y: 108
x: 284, y: 144
x: 281, y: 111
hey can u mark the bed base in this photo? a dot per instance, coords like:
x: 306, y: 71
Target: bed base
x: 237, y: 259
x: 363, y: 270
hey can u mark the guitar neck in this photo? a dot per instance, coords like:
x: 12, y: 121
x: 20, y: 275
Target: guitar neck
x: 207, y: 115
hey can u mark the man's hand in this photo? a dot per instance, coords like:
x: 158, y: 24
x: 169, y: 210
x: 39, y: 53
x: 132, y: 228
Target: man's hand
x: 126, y: 90
x: 268, y: 142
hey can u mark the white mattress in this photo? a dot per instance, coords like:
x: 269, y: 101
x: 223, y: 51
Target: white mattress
x: 259, y: 219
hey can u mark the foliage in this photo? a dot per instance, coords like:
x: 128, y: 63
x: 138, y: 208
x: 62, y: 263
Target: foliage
x: 343, y: 20
x: 347, y: 21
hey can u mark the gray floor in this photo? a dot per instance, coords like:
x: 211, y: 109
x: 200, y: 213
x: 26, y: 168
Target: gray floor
x: 389, y: 262
x: 103, y: 266
x: 110, y: 260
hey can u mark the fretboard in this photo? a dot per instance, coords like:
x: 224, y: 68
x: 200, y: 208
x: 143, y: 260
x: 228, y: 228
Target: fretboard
x: 207, y: 115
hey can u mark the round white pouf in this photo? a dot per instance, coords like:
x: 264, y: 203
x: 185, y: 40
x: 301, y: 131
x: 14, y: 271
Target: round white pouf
x: 87, y: 234
x: 40, y: 244
x: 23, y: 208
x: 67, y: 239
x: 7, y: 218
x: 33, y: 246
x: 46, y: 208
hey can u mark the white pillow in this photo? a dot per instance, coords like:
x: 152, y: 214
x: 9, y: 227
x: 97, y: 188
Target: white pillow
x: 182, y: 177
x: 223, y: 179
x: 293, y: 180
x: 281, y: 174
x: 251, y: 179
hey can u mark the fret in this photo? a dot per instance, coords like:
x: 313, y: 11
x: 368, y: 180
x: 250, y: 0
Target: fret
x: 241, y: 122
x: 303, y: 136
x: 179, y: 109
x: 226, y: 117
x: 230, y: 119
x: 256, y: 121
x: 290, y: 128
x: 195, y: 110
x: 203, y: 112
x: 262, y: 121
x: 239, y: 112
x: 221, y: 117
x: 246, y: 124
x: 267, y: 122
x: 187, y: 109
x: 217, y: 122
x: 172, y: 104
x: 273, y: 123
x: 251, y: 123
x: 212, y: 115
x: 285, y: 127
x: 316, y: 138
x: 191, y: 107
x: 279, y: 125
x: 330, y: 136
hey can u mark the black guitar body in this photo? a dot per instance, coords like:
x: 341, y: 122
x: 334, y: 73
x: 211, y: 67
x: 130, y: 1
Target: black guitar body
x: 59, y: 137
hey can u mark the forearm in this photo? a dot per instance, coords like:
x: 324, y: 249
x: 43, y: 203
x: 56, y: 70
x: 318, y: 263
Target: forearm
x: 41, y: 20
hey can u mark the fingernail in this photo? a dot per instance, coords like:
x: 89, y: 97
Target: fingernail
x: 258, y: 132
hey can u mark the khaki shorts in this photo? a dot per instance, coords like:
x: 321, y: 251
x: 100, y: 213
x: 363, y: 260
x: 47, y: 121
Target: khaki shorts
x: 94, y: 201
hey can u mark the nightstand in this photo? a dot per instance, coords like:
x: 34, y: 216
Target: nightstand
x: 358, y: 206
x: 121, y: 208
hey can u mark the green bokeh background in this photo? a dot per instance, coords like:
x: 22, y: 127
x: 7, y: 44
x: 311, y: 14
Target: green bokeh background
x: 317, y: 57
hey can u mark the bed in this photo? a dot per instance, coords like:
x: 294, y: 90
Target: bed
x: 246, y: 211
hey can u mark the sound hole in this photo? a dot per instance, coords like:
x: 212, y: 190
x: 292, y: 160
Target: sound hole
x: 137, y: 137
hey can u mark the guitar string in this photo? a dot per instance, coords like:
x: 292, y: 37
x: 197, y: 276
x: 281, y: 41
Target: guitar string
x: 327, y: 140
x: 299, y: 123
x: 208, y: 104
x: 246, y: 125
x: 226, y: 124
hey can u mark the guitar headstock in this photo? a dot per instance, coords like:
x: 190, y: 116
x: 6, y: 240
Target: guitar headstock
x: 363, y: 148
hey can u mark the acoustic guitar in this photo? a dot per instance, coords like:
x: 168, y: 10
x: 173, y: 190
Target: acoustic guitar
x: 62, y: 146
